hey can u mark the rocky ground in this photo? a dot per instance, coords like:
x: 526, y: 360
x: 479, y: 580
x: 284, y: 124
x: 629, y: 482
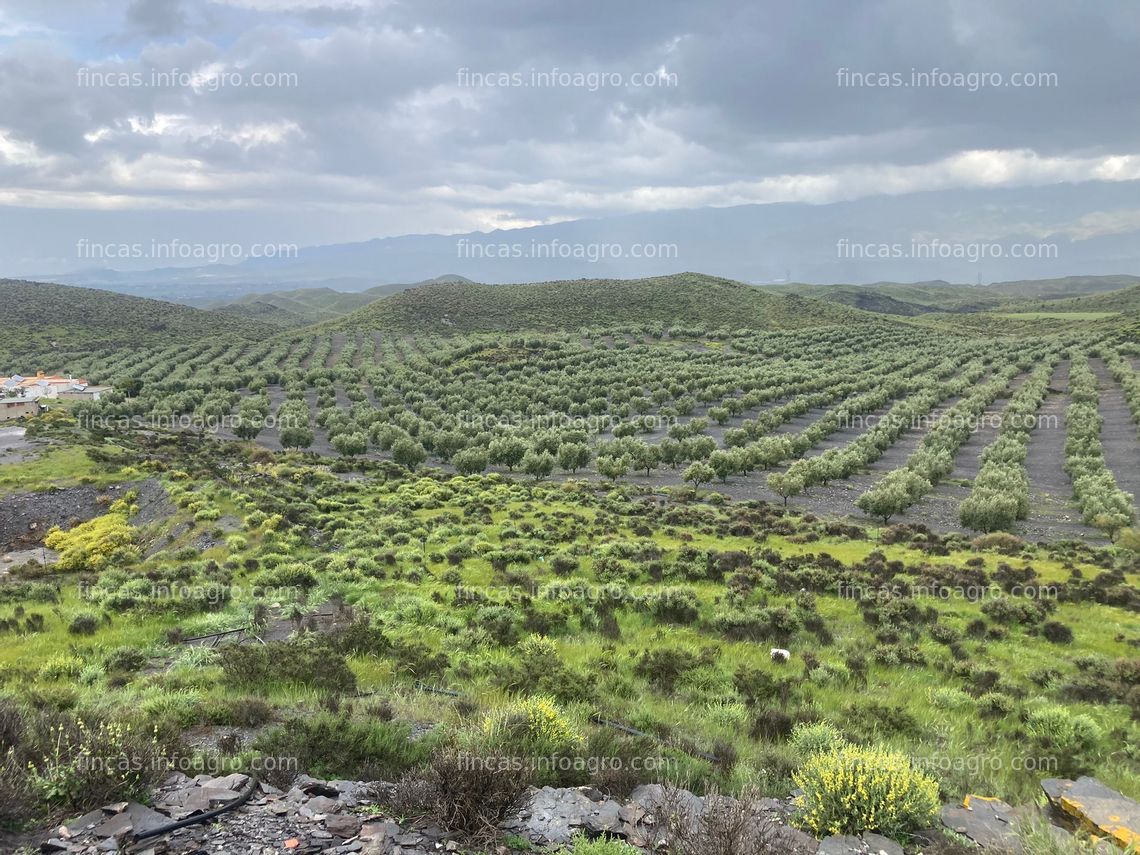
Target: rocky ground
x: 345, y: 817
x: 26, y: 517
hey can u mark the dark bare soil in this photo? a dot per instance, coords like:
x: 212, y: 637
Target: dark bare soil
x: 25, y: 518
x: 1119, y: 433
x: 1054, y: 515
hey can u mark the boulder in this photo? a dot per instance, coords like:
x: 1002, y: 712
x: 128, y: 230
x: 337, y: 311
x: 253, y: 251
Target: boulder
x: 987, y: 821
x: 556, y: 815
x: 1096, y: 808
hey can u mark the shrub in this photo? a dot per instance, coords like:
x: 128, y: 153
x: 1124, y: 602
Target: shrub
x: 124, y: 659
x: 90, y: 545
x: 463, y: 794
x: 17, y: 800
x: 663, y: 668
x: 1056, y: 632
x: 811, y: 739
x: 674, y: 605
x: 83, y: 624
x: 723, y: 826
x: 999, y: 541
x: 294, y: 575
x: 995, y: 704
x: 83, y: 764
x: 1070, y: 735
x: 949, y: 698
x: 328, y: 745
x: 891, y: 797
x: 62, y: 666
x: 306, y: 661
x: 532, y: 727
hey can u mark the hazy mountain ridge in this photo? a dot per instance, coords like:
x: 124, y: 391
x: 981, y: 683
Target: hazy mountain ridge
x: 760, y: 244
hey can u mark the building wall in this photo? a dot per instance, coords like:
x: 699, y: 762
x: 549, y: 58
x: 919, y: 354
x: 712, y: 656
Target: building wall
x: 9, y: 410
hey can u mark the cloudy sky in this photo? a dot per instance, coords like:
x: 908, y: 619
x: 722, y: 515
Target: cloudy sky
x: 319, y: 121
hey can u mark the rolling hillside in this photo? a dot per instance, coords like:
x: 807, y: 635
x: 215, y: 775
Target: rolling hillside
x: 686, y: 299
x: 1125, y: 301
x: 893, y: 298
x: 1063, y: 288
x: 297, y: 308
x: 305, y: 306
x: 918, y: 298
x: 35, y: 314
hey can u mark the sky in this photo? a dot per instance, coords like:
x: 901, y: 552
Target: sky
x: 325, y: 121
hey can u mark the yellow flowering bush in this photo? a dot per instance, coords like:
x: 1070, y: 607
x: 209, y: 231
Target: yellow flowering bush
x: 90, y: 545
x: 533, y: 726
x: 852, y: 789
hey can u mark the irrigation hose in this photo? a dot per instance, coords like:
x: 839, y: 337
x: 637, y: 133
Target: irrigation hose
x: 233, y: 804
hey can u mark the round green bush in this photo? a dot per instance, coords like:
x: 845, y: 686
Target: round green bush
x: 807, y: 740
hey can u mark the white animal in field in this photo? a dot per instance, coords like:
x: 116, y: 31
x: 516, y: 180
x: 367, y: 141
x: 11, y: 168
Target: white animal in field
x: 779, y: 654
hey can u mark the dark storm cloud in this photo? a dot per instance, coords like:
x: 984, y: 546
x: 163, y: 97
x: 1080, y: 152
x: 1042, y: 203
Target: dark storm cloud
x: 383, y: 114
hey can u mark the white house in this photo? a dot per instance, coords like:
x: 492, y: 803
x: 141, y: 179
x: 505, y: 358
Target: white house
x: 50, y: 386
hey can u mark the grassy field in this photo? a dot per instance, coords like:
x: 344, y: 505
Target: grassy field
x: 352, y: 534
x: 610, y: 602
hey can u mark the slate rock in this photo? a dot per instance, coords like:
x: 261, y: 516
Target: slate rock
x: 343, y: 825
x: 85, y: 822
x: 323, y: 804
x: 989, y: 822
x: 1100, y: 810
x: 314, y: 787
x: 117, y: 826
x: 793, y: 841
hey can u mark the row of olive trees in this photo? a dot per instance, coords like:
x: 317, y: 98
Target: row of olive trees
x: 1000, y: 493
x: 1128, y: 378
x: 925, y: 391
x: 933, y: 460
x: 1103, y: 504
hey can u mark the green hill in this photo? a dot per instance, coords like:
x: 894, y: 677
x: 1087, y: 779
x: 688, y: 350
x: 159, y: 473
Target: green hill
x: 264, y: 313
x: 297, y: 308
x: 1065, y: 287
x: 1125, y: 301
x: 304, y: 306
x: 36, y: 314
x: 911, y: 299
x: 896, y: 298
x: 683, y: 300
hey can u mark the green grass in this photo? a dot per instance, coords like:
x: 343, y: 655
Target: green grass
x: 966, y: 751
x: 60, y: 466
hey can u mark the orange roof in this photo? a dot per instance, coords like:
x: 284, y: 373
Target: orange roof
x: 50, y: 379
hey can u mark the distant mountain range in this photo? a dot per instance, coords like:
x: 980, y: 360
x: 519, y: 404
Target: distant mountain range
x: 963, y: 236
